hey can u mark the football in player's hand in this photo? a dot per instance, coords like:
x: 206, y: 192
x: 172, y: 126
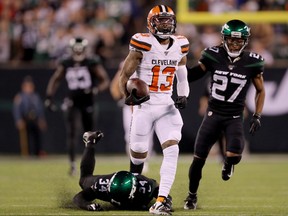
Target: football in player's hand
x: 138, y: 84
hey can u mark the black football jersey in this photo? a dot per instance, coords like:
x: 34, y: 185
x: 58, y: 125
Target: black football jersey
x: 79, y: 76
x: 145, y: 191
x: 230, y: 78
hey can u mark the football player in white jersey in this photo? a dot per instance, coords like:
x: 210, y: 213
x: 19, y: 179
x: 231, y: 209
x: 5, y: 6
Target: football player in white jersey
x: 157, y: 57
x: 127, y: 115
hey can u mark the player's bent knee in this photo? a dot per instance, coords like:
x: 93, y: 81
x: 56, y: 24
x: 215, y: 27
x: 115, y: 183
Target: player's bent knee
x: 139, y: 147
x: 172, y: 138
x: 169, y: 143
x: 175, y: 135
x: 81, y: 182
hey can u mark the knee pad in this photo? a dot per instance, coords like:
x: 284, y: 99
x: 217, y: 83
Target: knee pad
x: 233, y: 160
x: 174, y: 135
x: 139, y: 147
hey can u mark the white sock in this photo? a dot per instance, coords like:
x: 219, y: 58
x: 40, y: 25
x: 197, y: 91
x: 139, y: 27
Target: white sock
x: 168, y: 169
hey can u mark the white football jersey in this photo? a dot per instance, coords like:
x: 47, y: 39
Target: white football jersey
x: 159, y: 64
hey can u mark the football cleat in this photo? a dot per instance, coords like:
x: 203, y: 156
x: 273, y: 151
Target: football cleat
x: 162, y: 208
x: 73, y: 171
x: 227, y: 171
x: 191, y: 202
x: 90, y: 138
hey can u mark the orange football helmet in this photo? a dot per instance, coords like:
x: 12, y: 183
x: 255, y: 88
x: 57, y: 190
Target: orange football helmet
x: 161, y: 21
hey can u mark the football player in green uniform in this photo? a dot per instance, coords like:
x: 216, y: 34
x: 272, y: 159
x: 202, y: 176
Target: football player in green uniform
x: 231, y: 70
x: 85, y: 77
x: 123, y: 189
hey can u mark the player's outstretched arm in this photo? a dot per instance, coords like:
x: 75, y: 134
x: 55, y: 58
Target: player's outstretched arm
x: 196, y: 72
x: 82, y: 203
x: 255, y: 123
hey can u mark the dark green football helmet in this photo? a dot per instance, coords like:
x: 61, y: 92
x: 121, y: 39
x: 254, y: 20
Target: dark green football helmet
x: 78, y: 46
x: 122, y: 186
x: 235, y: 35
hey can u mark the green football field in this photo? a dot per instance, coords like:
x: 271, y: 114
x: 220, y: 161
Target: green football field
x: 259, y: 186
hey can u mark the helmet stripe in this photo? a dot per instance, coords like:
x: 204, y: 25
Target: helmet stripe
x: 163, y: 8
x: 166, y: 8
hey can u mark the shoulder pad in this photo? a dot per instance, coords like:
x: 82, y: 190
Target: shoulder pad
x: 65, y: 61
x: 253, y: 60
x: 210, y: 53
x: 141, y: 42
x: 181, y: 39
x: 95, y: 59
x: 183, y: 42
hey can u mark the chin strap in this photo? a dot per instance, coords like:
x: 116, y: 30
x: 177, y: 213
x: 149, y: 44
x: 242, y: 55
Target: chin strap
x: 161, y: 38
x: 233, y: 54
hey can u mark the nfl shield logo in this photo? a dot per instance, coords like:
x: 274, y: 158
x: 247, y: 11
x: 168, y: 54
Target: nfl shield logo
x: 231, y: 67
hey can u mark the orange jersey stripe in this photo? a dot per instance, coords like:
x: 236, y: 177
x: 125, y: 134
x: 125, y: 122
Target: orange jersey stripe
x: 185, y: 48
x: 140, y: 45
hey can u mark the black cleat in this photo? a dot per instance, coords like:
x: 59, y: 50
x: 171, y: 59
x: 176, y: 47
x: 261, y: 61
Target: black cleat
x: 191, y: 202
x: 227, y: 171
x: 90, y: 138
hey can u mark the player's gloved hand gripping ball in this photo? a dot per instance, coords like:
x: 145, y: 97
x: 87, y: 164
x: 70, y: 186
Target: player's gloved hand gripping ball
x: 138, y: 92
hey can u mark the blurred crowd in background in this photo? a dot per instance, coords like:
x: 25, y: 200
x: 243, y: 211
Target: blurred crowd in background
x: 38, y: 31
x: 35, y: 34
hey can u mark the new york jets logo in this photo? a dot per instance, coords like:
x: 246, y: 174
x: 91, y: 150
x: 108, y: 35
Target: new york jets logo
x: 276, y: 102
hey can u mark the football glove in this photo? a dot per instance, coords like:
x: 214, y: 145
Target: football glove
x: 90, y: 137
x: 181, y: 102
x: 132, y: 99
x: 94, y: 207
x: 255, y: 123
x: 50, y: 105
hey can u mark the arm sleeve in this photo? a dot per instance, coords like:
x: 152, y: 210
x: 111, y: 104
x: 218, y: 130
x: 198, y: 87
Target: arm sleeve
x: 195, y: 73
x: 182, y: 82
x: 84, y: 198
x: 79, y: 201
